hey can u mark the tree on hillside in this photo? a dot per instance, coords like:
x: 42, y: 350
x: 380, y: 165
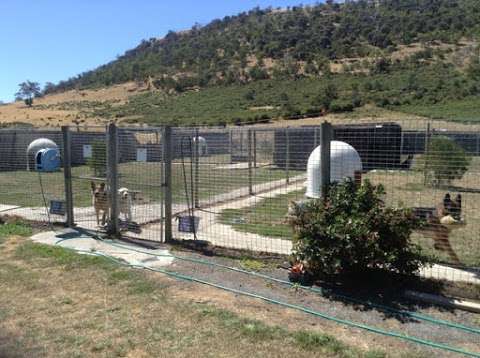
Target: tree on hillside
x: 48, y: 88
x: 28, y: 90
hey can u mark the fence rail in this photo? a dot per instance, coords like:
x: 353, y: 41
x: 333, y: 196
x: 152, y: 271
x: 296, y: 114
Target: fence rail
x: 237, y: 183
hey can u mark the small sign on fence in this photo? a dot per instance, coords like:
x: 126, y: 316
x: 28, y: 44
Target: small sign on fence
x: 57, y: 207
x: 141, y: 154
x: 87, y: 151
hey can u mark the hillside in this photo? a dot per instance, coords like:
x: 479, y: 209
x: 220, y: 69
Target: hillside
x: 270, y: 44
x: 419, y: 57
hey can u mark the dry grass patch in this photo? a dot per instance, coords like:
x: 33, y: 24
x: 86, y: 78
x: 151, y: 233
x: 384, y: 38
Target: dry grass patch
x: 54, y: 302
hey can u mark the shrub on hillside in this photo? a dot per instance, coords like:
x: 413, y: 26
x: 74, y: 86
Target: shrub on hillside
x: 338, y: 106
x: 352, y: 231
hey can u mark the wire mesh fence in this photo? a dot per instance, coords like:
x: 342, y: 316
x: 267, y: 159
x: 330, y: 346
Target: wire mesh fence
x: 233, y: 186
x: 140, y: 187
x: 88, y: 147
x: 31, y: 174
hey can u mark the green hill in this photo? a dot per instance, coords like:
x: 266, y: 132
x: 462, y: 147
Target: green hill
x: 409, y: 55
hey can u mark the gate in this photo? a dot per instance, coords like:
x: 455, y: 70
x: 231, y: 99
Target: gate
x: 116, y: 181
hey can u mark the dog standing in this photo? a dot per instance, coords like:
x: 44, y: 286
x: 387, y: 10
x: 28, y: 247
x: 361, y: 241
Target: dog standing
x: 440, y: 221
x: 100, y: 202
x: 125, y: 203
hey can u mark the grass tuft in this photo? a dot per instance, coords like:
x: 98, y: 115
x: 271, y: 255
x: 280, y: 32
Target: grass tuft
x: 18, y: 228
x: 59, y: 256
x: 252, y: 265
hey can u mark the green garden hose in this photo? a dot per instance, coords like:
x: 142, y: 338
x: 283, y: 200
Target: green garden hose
x: 292, y: 306
x: 312, y: 289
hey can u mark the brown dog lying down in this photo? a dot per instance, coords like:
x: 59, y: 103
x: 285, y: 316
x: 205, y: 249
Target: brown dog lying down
x: 440, y: 221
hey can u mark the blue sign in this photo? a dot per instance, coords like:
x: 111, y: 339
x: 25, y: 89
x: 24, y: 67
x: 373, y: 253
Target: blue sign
x: 57, y: 207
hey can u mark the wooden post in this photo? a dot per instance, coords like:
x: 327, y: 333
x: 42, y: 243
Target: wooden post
x: 67, y: 174
x: 167, y: 185
x: 425, y: 154
x: 197, y: 167
x: 287, y: 156
x: 325, y: 139
x: 250, y: 157
x: 112, y: 179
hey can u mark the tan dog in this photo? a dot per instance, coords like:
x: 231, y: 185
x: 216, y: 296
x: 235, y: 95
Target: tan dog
x: 440, y: 222
x: 100, y: 201
x: 125, y: 203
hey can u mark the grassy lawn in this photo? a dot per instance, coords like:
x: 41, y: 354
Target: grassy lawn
x: 48, y: 309
x: 23, y: 188
x: 267, y: 218
x: 403, y: 188
x: 214, y: 178
x: 464, y: 110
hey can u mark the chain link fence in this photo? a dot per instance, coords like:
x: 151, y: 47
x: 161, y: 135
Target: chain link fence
x: 233, y: 186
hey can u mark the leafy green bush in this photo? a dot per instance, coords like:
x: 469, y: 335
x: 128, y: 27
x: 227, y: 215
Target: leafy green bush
x: 352, y: 231
x: 445, y: 161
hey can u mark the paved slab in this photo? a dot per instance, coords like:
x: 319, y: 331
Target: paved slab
x: 4, y: 207
x: 76, y: 240
x: 441, y: 272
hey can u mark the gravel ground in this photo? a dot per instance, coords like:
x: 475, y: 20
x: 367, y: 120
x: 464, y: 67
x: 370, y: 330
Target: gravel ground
x: 342, y: 309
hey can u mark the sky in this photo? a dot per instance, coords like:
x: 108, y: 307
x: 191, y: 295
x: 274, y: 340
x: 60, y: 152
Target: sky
x: 52, y: 40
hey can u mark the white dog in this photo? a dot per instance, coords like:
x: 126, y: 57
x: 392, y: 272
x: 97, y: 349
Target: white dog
x: 125, y: 203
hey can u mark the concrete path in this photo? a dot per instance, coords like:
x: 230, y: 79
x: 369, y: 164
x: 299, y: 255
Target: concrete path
x: 4, y: 207
x: 76, y: 240
x: 441, y: 272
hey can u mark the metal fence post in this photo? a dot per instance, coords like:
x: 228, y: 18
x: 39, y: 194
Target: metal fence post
x: 478, y: 144
x: 287, y: 156
x: 159, y: 136
x: 112, y: 178
x: 254, y: 133
x: 325, y: 139
x: 197, y: 167
x: 167, y: 185
x: 426, y: 154
x: 230, y: 145
x: 67, y: 174
x: 250, y: 169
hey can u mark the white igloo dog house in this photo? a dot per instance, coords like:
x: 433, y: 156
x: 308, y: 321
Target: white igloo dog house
x: 45, y: 154
x: 344, y: 163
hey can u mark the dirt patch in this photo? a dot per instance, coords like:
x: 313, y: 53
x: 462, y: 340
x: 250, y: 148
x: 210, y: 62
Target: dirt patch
x: 59, y: 109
